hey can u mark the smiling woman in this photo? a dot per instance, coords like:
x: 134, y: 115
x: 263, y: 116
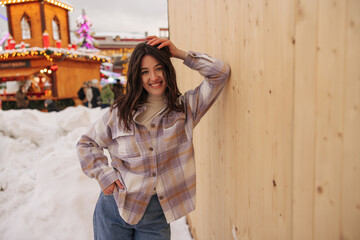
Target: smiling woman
x: 152, y: 182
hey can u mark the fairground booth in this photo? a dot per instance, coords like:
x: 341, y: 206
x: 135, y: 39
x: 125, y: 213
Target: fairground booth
x: 39, y: 53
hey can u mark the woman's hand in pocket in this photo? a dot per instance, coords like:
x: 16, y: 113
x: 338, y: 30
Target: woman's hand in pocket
x: 110, y: 189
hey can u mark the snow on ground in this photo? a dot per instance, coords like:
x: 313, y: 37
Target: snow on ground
x: 43, y: 192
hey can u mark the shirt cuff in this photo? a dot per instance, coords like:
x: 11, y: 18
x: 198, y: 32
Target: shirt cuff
x: 192, y: 59
x: 107, y: 177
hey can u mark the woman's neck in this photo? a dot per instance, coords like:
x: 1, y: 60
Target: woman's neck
x: 155, y: 99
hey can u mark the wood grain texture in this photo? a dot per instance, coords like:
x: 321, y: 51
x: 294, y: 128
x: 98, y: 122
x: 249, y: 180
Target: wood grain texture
x: 277, y: 156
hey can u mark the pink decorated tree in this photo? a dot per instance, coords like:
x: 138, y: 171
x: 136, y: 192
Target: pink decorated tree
x: 85, y: 40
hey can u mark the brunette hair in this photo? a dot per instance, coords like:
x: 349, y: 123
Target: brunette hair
x: 136, y: 95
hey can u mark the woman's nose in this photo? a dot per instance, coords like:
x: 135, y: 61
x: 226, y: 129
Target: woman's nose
x: 153, y: 75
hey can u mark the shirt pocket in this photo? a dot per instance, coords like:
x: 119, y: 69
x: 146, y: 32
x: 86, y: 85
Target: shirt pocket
x: 124, y: 145
x: 174, y: 132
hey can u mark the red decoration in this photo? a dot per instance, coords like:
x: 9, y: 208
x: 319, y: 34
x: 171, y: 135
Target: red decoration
x: 54, y: 67
x: 58, y: 43
x: 69, y: 47
x: 22, y: 45
x: 12, y: 45
x: 46, y: 41
x: 74, y: 46
x: 10, y: 38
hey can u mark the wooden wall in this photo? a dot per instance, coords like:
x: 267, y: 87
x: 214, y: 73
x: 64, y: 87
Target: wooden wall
x: 278, y: 155
x: 72, y: 73
x: 32, y: 9
x: 50, y: 12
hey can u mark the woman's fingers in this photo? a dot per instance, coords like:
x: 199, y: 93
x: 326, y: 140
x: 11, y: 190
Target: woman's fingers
x: 118, y: 183
x: 166, y: 43
x: 110, y: 189
x: 155, y: 41
x: 151, y: 39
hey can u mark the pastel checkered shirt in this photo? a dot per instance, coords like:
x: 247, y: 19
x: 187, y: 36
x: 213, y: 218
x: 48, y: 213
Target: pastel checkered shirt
x: 161, y: 157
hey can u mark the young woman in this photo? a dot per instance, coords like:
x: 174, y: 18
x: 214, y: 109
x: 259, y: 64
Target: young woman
x: 148, y: 133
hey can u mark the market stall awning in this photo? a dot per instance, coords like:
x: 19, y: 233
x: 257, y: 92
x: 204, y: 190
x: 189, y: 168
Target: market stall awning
x: 17, y: 73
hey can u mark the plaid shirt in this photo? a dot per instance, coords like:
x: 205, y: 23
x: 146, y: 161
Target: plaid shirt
x: 162, y: 157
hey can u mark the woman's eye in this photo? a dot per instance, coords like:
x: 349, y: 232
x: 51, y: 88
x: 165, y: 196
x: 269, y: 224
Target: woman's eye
x: 144, y: 72
x: 159, y: 69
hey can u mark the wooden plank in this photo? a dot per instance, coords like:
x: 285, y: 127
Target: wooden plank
x: 278, y: 91
x: 350, y: 207
x: 304, y: 119
x: 330, y: 118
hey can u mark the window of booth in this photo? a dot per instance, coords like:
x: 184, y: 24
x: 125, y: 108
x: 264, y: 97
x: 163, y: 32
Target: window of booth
x: 37, y: 85
x: 56, y: 28
x: 25, y: 27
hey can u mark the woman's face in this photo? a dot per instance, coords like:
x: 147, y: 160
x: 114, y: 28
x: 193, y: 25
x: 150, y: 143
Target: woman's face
x: 152, y: 75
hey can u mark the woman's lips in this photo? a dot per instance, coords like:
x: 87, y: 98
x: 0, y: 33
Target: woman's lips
x: 156, y: 85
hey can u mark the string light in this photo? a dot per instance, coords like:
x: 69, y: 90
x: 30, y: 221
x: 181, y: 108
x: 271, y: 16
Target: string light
x: 59, y: 4
x: 49, y: 55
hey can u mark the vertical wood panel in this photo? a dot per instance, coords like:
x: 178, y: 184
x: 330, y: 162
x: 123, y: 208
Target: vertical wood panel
x: 304, y: 119
x: 278, y: 72
x: 276, y: 154
x: 330, y: 118
x: 350, y: 214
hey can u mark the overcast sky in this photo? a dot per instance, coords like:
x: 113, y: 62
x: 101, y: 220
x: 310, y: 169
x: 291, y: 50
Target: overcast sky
x: 115, y: 15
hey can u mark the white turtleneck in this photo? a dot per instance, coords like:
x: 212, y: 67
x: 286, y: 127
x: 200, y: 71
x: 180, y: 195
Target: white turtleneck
x: 154, y: 105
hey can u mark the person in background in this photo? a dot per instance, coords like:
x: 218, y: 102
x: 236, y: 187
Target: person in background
x: 89, y: 95
x: 107, y: 96
x: 50, y: 105
x: 96, y: 92
x: 22, y: 100
x: 149, y: 135
x: 81, y: 93
x: 118, y: 89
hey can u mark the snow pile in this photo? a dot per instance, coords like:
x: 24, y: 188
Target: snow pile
x: 43, y: 192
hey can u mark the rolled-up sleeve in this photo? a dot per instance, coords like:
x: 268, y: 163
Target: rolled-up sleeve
x: 216, y: 74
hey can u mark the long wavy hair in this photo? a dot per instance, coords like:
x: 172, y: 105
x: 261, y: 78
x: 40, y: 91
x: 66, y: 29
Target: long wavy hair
x: 136, y: 95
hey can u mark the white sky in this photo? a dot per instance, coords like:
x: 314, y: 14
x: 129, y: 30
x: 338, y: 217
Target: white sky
x: 115, y: 15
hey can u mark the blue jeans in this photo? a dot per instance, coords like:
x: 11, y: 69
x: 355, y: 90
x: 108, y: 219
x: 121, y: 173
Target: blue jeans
x: 109, y: 225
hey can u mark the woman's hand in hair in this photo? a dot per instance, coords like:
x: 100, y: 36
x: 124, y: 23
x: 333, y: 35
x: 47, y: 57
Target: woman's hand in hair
x: 174, y: 51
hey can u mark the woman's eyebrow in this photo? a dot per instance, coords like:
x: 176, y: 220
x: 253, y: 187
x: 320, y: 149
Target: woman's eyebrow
x: 159, y: 64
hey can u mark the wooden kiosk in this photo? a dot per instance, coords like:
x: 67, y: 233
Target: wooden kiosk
x: 39, y: 53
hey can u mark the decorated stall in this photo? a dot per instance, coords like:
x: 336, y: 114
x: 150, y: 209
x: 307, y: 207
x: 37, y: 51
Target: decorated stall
x: 40, y: 55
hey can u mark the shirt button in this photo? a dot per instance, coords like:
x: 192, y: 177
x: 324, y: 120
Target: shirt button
x: 153, y: 174
x: 152, y: 125
x: 161, y: 197
x: 151, y: 149
x: 154, y: 188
